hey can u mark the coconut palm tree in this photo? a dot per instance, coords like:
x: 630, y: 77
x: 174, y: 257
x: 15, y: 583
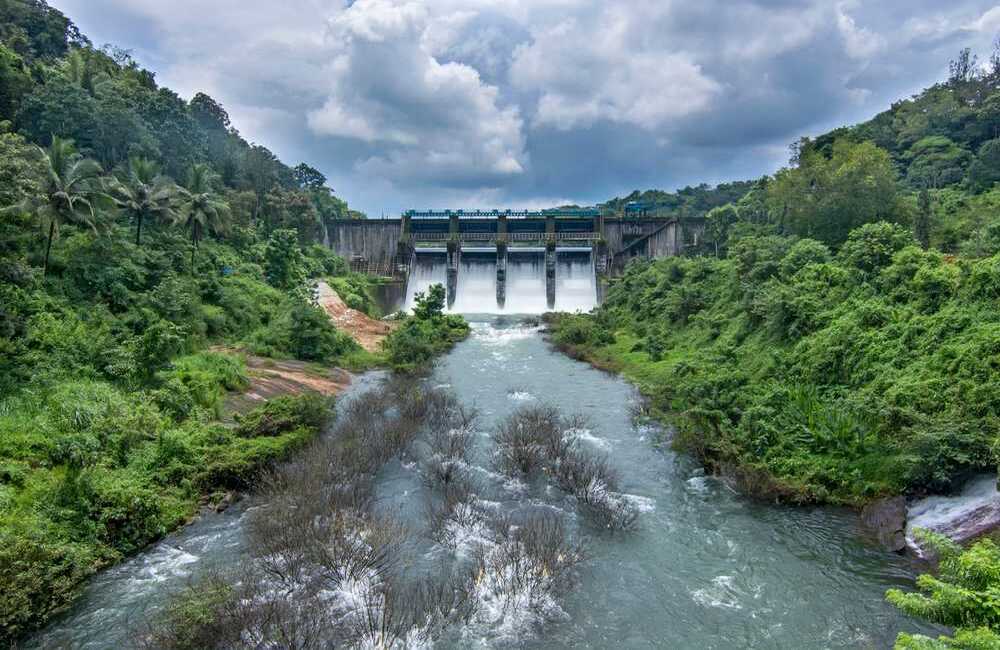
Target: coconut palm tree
x: 71, y: 191
x: 201, y: 209
x: 142, y: 193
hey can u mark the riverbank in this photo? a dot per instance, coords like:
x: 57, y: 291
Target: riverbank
x: 132, y: 470
x: 807, y: 376
x: 701, y: 566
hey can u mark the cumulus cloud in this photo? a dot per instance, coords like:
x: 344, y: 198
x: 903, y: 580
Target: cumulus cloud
x: 519, y: 102
x: 644, y: 88
x: 436, y: 121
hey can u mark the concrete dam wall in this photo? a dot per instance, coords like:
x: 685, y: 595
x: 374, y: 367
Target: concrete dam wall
x: 507, y: 262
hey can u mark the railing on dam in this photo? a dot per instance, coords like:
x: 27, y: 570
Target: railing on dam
x: 509, y: 237
x: 574, y: 213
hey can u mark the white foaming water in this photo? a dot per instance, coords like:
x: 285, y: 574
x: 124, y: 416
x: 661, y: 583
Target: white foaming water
x: 576, y: 283
x: 526, y: 284
x: 476, y: 292
x: 586, y: 435
x: 428, y: 268
x: 960, y: 517
x: 721, y: 594
x: 525, y: 291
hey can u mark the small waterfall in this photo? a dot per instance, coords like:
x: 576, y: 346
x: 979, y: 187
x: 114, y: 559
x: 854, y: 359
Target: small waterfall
x: 477, y: 282
x: 476, y: 291
x: 576, y: 280
x: 429, y: 267
x: 526, y: 281
x: 973, y: 512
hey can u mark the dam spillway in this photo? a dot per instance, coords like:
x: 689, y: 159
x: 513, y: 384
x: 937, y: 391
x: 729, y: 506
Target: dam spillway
x: 525, y: 286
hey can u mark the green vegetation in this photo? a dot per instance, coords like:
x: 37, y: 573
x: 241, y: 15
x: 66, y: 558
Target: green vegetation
x: 114, y: 283
x: 809, y: 374
x: 838, y: 338
x: 426, y: 334
x: 964, y: 595
x: 689, y: 202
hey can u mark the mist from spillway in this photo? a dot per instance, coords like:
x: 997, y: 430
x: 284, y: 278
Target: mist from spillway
x: 575, y: 281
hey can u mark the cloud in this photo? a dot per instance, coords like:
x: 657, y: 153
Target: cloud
x: 647, y: 88
x: 859, y: 43
x: 434, y: 121
x: 467, y: 102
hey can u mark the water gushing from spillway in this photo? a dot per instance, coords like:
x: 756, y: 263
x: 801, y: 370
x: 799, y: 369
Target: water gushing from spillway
x: 525, y: 292
x: 428, y: 268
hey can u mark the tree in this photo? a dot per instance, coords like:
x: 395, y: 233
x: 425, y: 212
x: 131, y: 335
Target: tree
x: 88, y: 69
x: 259, y: 169
x: 69, y: 191
x: 209, y: 113
x: 201, y: 208
x: 38, y: 30
x: 14, y: 82
x: 825, y: 198
x: 59, y: 106
x: 922, y: 220
x: 143, y: 193
x: 308, y: 178
x: 985, y: 170
x: 963, y: 595
x: 936, y: 161
x: 430, y: 305
x: 284, y: 264
x: 21, y: 174
x: 717, y: 225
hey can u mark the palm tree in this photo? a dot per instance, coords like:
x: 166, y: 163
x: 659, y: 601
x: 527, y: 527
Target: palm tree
x: 143, y: 193
x: 86, y: 70
x: 201, y: 208
x: 70, y: 190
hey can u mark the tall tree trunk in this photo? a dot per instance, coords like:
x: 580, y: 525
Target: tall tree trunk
x: 48, y: 247
x: 138, y: 228
x: 194, y: 244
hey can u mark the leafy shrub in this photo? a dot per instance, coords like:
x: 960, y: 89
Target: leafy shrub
x: 425, y: 334
x: 963, y: 595
x: 872, y: 246
x: 304, y: 332
x: 205, y: 377
x: 284, y: 414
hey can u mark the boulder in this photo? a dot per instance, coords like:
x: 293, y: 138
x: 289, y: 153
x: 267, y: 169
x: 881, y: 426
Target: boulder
x: 885, y: 519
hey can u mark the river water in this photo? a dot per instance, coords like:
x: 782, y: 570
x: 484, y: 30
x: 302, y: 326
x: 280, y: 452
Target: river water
x: 705, y: 568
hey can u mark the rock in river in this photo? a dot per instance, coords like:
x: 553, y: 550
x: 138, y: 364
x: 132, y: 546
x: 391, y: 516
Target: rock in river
x: 886, y: 520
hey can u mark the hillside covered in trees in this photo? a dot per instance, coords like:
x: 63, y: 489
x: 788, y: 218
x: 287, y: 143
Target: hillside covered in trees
x: 145, y: 249
x: 838, y: 337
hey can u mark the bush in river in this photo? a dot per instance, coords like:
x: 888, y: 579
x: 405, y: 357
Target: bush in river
x: 326, y: 569
x: 539, y: 438
x: 426, y: 334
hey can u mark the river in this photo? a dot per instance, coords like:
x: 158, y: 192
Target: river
x: 704, y: 568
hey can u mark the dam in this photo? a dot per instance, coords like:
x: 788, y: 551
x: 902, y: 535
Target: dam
x: 508, y: 261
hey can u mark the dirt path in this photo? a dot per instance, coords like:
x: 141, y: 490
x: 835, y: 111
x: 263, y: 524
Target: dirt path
x: 270, y: 378
x: 366, y: 330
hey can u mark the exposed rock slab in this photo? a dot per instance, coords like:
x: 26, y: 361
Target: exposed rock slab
x: 364, y: 329
x: 885, y: 519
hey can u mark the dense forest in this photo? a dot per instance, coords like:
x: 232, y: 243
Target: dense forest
x: 838, y: 337
x: 688, y: 202
x: 145, y: 248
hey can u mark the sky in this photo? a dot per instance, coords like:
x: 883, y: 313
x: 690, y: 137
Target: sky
x: 533, y: 103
